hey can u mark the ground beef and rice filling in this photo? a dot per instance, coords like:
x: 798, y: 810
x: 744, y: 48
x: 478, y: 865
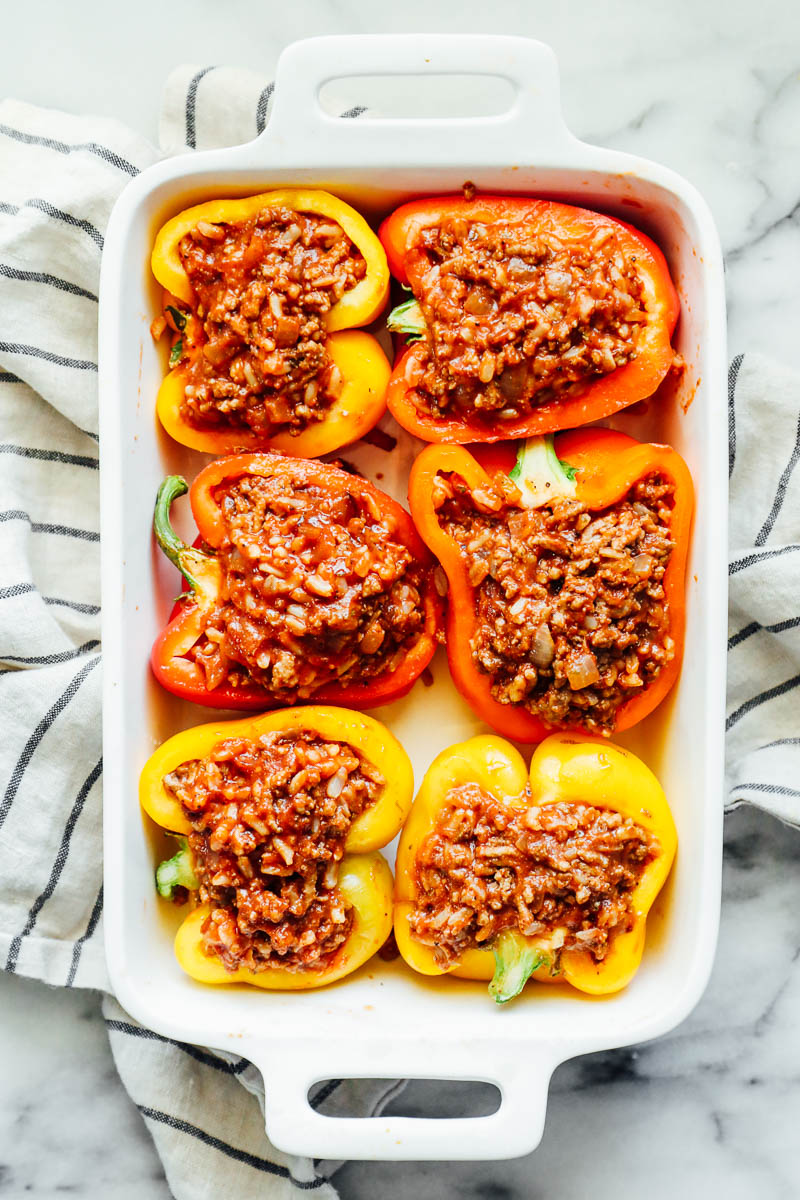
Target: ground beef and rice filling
x: 560, y: 872
x: 263, y: 288
x: 517, y: 317
x: 270, y: 820
x: 571, y: 613
x: 318, y: 589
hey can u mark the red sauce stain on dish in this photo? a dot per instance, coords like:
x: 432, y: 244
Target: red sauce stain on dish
x: 383, y: 441
x: 388, y: 951
x: 687, y: 398
x: 640, y: 409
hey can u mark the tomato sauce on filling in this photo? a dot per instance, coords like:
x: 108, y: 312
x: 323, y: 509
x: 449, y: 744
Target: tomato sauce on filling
x: 256, y: 350
x: 517, y: 317
x: 269, y: 823
x: 561, y: 872
x: 317, y: 589
x: 571, y: 613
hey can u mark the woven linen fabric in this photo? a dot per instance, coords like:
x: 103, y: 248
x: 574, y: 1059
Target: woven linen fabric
x: 763, y: 715
x: 60, y: 176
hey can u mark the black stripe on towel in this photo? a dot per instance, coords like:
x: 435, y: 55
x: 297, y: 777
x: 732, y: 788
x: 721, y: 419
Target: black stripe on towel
x: 325, y: 1092
x: 56, y: 602
x: 7, y: 377
x: 72, y: 460
x: 201, y: 1056
x: 63, y: 285
x: 191, y: 107
x: 261, y: 107
x: 772, y: 789
x: 780, y: 495
x: 16, y: 589
x: 250, y: 1160
x: 24, y: 589
x: 60, y: 360
x: 41, y: 729
x: 103, y: 152
x: 17, y: 514
x: 57, y: 214
x: 77, y: 949
x: 356, y: 111
x: 50, y: 660
x: 58, y: 865
x: 749, y: 560
x: 733, y: 375
x: 772, y: 693
x: 779, y: 627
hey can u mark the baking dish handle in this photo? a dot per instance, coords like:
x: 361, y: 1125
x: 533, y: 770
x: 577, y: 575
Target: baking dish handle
x: 296, y: 1128
x: 300, y: 131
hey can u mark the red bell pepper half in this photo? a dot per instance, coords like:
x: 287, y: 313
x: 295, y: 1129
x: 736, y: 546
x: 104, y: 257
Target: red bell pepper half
x: 172, y: 659
x: 603, y: 466
x: 601, y: 395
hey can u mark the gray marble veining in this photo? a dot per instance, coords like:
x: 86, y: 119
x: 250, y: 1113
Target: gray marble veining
x: 713, y: 90
x: 66, y: 1123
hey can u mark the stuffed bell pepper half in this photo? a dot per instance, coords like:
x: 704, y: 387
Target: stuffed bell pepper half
x: 279, y: 820
x: 565, y: 573
x: 308, y: 583
x: 526, y: 316
x: 505, y: 874
x: 262, y: 298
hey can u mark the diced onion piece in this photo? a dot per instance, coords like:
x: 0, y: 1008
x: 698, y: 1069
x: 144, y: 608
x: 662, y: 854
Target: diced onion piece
x: 543, y: 647
x: 582, y: 671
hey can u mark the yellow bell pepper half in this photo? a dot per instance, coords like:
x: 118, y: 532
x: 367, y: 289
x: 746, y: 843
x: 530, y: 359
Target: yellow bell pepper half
x: 564, y: 769
x: 366, y: 883
x: 364, y: 877
x: 363, y: 364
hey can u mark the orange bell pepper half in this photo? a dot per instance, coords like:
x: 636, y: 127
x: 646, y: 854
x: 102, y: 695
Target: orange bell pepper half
x: 563, y: 770
x: 170, y: 660
x: 600, y: 397
x: 605, y: 465
x: 358, y: 356
x: 365, y: 880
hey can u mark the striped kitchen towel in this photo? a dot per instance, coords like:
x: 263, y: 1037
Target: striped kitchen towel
x: 60, y: 177
x: 763, y: 721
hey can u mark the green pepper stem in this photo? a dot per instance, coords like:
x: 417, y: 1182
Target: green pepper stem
x: 184, y: 557
x: 540, y: 474
x: 407, y: 318
x: 515, y: 961
x: 177, y: 871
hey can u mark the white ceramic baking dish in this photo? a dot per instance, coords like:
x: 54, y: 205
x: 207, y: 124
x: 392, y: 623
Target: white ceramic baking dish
x: 386, y: 1021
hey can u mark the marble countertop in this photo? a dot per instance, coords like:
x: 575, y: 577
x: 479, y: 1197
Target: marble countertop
x: 713, y: 90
